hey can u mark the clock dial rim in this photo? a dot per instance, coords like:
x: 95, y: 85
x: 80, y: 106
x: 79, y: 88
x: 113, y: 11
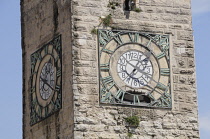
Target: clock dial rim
x: 113, y: 66
x: 120, y: 38
x: 136, y: 77
x: 40, y: 100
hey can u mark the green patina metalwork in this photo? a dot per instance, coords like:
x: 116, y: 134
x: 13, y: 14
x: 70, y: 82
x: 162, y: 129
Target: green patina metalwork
x: 36, y: 108
x: 106, y: 83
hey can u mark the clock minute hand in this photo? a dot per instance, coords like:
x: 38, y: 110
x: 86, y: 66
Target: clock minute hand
x: 135, y: 67
x: 148, y: 54
x: 131, y: 74
x: 146, y: 74
x: 141, y: 71
x: 147, y: 58
x: 45, y: 82
x: 128, y: 62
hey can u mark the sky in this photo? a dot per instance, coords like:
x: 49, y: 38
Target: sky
x: 11, y: 67
x: 201, y: 27
x: 10, y: 71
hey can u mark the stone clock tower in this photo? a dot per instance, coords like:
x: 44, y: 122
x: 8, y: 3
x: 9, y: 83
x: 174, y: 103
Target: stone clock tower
x: 108, y: 69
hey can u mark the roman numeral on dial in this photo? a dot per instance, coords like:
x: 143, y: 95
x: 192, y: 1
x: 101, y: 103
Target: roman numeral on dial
x: 107, y: 51
x: 118, y: 39
x: 57, y: 88
x: 165, y: 71
x: 46, y: 50
x: 104, y: 67
x: 136, y: 99
x: 52, y: 103
x: 56, y: 59
x: 134, y: 37
x: 160, y: 55
x: 58, y: 72
x: 148, y: 44
x: 161, y: 86
x: 46, y: 111
x: 108, y: 82
x: 120, y: 95
x: 33, y: 90
x: 39, y: 112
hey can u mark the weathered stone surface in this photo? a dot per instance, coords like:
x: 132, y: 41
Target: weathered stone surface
x: 82, y: 116
x: 40, y: 24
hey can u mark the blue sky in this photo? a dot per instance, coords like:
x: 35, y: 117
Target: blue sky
x: 10, y: 71
x: 11, y: 67
x: 201, y: 26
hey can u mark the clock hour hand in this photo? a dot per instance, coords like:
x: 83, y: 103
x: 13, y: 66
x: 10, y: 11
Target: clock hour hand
x: 131, y: 74
x: 146, y: 60
x: 128, y: 62
x: 134, y: 66
x: 139, y: 61
x: 141, y: 71
x: 148, y: 54
x: 45, y: 82
x: 146, y: 74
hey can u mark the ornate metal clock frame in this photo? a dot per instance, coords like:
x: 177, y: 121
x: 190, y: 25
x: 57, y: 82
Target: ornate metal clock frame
x: 46, y: 80
x: 134, y: 69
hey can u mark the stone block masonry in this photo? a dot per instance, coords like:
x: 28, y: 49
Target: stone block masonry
x: 41, y: 21
x: 82, y: 116
x: 159, y: 17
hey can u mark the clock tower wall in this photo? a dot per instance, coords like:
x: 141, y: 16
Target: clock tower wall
x: 82, y: 115
x: 42, y: 21
x: 95, y: 120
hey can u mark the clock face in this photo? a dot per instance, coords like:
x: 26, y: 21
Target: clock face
x: 134, y: 69
x: 46, y: 80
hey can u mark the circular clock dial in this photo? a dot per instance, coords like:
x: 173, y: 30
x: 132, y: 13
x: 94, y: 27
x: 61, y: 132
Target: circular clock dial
x: 134, y: 68
x: 47, y: 81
